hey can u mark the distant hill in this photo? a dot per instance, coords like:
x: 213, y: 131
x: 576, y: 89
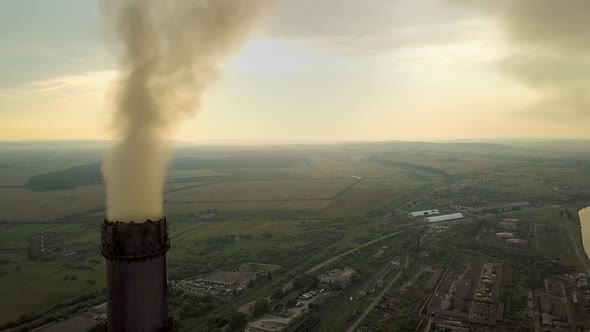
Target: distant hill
x: 70, y: 178
x: 233, y: 160
x: 53, y: 145
x: 91, y: 174
x: 259, y: 160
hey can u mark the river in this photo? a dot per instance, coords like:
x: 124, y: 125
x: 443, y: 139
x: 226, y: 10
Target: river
x: 584, y: 215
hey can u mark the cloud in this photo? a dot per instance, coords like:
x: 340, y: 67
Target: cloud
x: 562, y: 25
x: 551, y: 41
x: 367, y: 27
x: 86, y: 82
x: 556, y: 32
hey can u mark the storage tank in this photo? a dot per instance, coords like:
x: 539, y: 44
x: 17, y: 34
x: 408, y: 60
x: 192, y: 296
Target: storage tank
x: 505, y: 235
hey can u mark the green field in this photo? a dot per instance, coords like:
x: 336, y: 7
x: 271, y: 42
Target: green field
x: 36, y: 285
x: 248, y: 191
x: 545, y: 216
x: 371, y: 193
x: 21, y: 204
x: 292, y: 206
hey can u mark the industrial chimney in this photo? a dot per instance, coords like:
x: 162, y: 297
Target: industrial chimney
x: 136, y: 275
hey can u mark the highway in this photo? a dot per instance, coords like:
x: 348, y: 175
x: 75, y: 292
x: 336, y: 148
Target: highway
x: 334, y: 258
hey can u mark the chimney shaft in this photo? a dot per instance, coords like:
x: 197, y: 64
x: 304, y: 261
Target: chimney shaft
x: 136, y: 275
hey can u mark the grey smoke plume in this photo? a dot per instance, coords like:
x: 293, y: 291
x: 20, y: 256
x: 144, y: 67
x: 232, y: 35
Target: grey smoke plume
x: 170, y: 51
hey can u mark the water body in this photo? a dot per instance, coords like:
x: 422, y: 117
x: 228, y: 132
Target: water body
x: 584, y: 215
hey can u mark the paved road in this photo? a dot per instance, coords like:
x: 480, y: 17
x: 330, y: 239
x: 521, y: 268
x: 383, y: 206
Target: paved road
x: 414, y: 196
x: 288, y: 286
x: 330, y: 260
x: 374, y: 303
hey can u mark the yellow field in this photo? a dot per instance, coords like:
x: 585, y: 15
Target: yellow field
x: 19, y: 173
x: 330, y: 168
x: 172, y: 187
x: 23, y: 204
x: 370, y: 194
x: 263, y: 191
x: 184, y: 208
x: 175, y: 174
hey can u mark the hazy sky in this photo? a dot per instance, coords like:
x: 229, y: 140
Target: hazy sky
x: 324, y: 70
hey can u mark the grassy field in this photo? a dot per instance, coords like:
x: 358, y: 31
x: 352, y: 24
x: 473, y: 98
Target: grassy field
x: 35, y: 285
x: 189, y: 231
x: 543, y: 229
x: 369, y: 194
x: 283, y: 205
x: 544, y: 216
x: 263, y: 191
x: 548, y: 234
x: 254, y: 209
x: 323, y: 186
x: 195, y: 173
x: 19, y: 169
x: 26, y: 205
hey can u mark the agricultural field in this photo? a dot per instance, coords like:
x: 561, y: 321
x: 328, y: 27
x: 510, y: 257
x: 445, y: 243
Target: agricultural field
x: 251, y: 209
x: 298, y: 183
x: 22, y: 204
x: 197, y: 247
x: 543, y: 216
x: 179, y: 175
x: 34, y: 285
x: 544, y: 230
x: 371, y: 193
x: 549, y: 234
x: 248, y: 191
x: 18, y: 169
x: 291, y: 206
x: 38, y: 284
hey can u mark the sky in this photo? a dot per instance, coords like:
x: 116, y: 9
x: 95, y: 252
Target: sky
x: 318, y: 70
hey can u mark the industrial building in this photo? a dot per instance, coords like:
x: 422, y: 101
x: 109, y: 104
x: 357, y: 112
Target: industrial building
x: 451, y: 308
x: 508, y: 225
x: 545, y: 304
x: 137, y: 290
x: 74, y: 324
x: 505, y: 235
x: 228, y: 279
x: 272, y: 324
x: 465, y: 208
x: 444, y: 217
x: 423, y: 213
x: 518, y: 204
x: 441, y: 229
x: 517, y: 243
x: 337, y: 277
x: 434, y: 279
x: 451, y: 302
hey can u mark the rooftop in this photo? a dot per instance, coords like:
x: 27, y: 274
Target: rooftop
x: 229, y: 277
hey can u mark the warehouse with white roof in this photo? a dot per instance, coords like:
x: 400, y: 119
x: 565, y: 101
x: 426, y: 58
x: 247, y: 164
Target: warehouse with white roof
x: 444, y: 217
x: 423, y: 213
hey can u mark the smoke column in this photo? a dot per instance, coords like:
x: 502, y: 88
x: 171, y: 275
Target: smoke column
x: 170, y: 51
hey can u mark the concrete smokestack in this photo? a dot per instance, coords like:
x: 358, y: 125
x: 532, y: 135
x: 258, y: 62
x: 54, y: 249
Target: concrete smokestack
x: 136, y: 275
